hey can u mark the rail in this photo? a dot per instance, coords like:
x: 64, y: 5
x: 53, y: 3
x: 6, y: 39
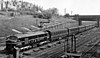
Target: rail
x: 92, y: 49
x: 57, y: 26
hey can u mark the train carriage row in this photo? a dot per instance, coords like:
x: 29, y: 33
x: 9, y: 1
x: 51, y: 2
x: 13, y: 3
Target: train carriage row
x: 41, y: 37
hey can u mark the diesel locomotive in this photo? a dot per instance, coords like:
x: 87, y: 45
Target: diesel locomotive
x: 34, y: 39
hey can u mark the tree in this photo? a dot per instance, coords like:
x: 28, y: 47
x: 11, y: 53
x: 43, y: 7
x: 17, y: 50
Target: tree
x: 6, y: 4
x: 47, y: 14
x: 66, y: 15
x: 54, y: 11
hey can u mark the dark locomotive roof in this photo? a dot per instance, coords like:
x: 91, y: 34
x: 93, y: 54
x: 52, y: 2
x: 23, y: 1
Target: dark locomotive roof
x: 29, y: 34
x: 12, y: 38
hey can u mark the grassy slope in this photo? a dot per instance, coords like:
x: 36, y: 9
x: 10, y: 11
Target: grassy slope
x: 15, y: 23
x: 25, y: 21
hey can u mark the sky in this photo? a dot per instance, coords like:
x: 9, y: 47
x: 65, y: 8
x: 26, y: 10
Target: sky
x: 59, y: 4
x: 82, y: 7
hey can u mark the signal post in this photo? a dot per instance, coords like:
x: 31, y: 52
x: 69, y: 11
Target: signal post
x: 78, y: 19
x: 72, y: 52
x: 97, y: 22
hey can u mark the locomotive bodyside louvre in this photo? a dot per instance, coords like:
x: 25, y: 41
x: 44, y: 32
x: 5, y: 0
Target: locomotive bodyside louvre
x: 22, y: 41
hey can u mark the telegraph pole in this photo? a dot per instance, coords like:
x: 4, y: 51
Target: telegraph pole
x: 1, y: 4
x: 97, y: 22
x: 65, y: 11
x: 71, y: 12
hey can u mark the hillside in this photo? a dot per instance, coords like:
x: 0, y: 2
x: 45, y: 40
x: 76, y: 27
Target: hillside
x: 26, y: 23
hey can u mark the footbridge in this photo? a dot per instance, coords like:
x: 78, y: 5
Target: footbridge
x: 81, y: 18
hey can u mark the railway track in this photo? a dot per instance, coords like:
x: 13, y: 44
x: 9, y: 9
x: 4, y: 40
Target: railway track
x: 47, y: 52
x: 85, y: 40
x: 61, y: 48
x: 83, y: 45
x: 91, y: 51
x: 58, y: 49
x: 54, y: 53
x: 60, y: 25
x: 78, y: 45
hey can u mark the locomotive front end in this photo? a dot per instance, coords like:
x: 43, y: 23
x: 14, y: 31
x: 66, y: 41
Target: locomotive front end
x: 10, y: 43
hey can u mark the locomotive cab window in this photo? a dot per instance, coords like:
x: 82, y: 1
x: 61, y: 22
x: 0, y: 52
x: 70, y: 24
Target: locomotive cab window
x: 12, y: 38
x: 57, y: 32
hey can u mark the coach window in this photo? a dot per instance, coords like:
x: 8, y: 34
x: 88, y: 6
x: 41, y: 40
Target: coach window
x: 62, y: 31
x: 53, y: 33
x: 59, y: 32
x: 56, y: 33
x: 23, y: 43
x: 66, y: 31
